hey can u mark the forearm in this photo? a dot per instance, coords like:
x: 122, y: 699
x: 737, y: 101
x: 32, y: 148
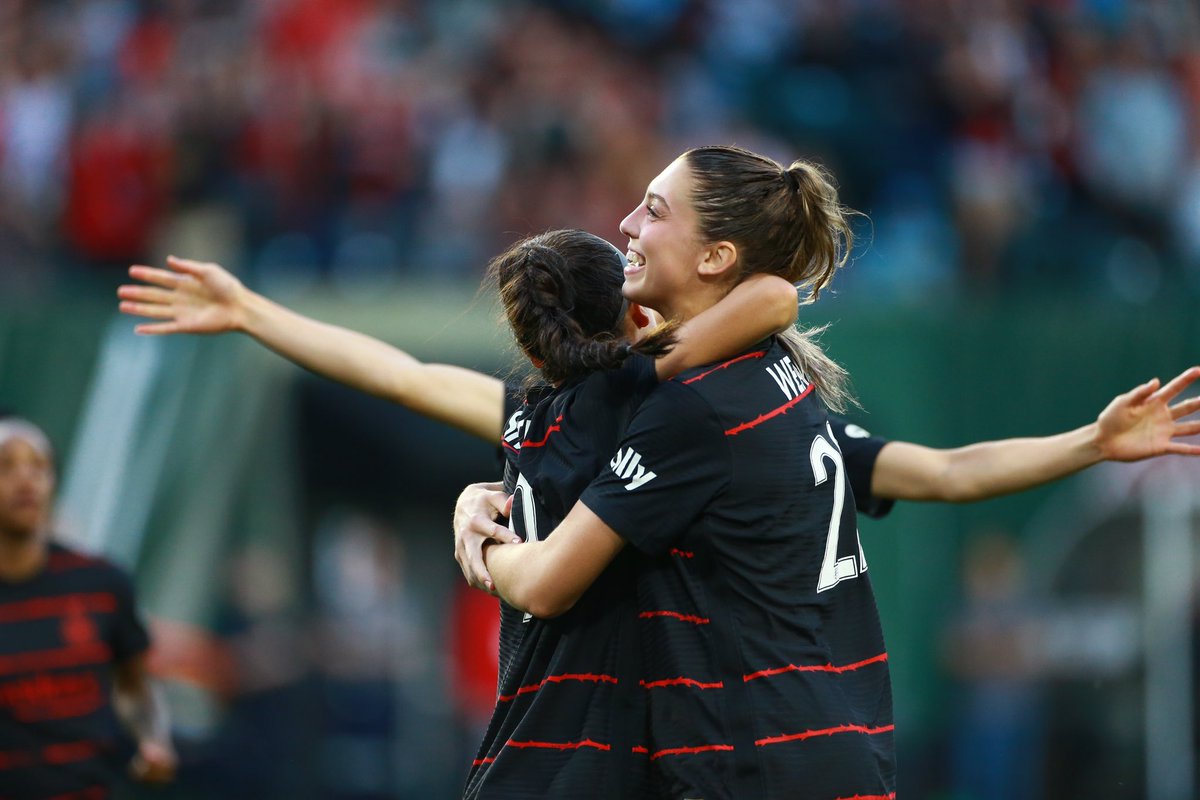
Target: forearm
x: 983, y: 470
x: 759, y: 306
x: 143, y: 711
x: 515, y: 571
x: 468, y: 400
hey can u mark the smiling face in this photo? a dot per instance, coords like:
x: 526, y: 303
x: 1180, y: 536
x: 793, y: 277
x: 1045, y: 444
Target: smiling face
x: 666, y: 254
x: 26, y: 482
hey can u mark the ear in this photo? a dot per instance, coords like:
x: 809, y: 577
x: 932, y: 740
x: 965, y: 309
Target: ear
x: 719, y: 260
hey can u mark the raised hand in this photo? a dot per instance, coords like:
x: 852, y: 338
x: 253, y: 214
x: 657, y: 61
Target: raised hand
x: 189, y: 296
x: 1142, y: 422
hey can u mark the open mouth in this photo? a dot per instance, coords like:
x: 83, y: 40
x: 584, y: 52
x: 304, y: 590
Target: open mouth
x: 636, y: 263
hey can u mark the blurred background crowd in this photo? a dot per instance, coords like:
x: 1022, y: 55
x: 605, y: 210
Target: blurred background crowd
x: 1029, y: 173
x: 990, y: 143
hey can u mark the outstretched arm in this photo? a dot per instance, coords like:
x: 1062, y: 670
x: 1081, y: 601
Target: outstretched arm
x: 756, y: 308
x: 194, y: 297
x: 1138, y: 424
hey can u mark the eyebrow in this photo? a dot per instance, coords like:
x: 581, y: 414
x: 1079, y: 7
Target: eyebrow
x: 652, y: 196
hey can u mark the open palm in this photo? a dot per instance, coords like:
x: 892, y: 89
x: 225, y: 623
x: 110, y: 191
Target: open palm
x: 189, y: 297
x: 1142, y: 422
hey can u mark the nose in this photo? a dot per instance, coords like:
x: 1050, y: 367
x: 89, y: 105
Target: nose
x: 629, y: 226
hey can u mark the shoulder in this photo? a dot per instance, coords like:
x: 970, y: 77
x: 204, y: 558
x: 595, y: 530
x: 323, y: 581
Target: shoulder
x: 67, y: 560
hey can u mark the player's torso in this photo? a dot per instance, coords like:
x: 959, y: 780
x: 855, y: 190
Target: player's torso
x: 761, y: 641
x: 567, y: 717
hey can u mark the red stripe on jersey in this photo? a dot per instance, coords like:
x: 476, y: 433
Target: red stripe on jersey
x: 682, y: 682
x: 479, y: 762
x: 891, y: 796
x: 552, y: 429
x: 761, y: 418
x: 797, y: 737
x: 684, y: 751
x: 676, y: 615
x: 39, y: 607
x: 566, y: 676
x: 68, y: 752
x: 675, y: 551
x: 61, y: 562
x: 509, y: 446
x: 641, y: 749
x: 766, y: 673
x: 559, y: 745
x: 703, y: 375
x: 93, y: 653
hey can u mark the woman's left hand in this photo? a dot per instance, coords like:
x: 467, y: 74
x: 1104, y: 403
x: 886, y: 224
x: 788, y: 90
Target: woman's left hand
x: 1142, y: 422
x: 475, y: 515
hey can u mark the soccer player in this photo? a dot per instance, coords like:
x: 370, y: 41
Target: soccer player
x: 72, y: 648
x: 762, y: 655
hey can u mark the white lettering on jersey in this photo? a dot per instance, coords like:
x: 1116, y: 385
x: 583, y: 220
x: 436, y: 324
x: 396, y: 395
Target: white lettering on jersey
x: 627, y: 463
x: 517, y: 429
x: 788, y: 378
x: 855, y: 432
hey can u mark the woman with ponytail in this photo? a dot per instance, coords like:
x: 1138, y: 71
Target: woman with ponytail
x: 762, y: 659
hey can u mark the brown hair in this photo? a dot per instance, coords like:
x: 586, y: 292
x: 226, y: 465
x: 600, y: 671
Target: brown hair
x: 561, y: 293
x: 785, y: 222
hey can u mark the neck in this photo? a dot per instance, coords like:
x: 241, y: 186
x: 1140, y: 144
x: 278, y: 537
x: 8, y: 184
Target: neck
x: 22, y: 555
x: 685, y: 307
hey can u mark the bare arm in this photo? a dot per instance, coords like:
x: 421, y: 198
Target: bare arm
x: 547, y: 577
x: 1136, y: 425
x: 756, y: 308
x: 140, y: 706
x: 194, y: 297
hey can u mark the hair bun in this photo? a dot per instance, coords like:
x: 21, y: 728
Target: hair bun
x: 792, y: 178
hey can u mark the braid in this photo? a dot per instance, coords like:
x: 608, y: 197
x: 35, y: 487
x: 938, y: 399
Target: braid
x: 561, y: 294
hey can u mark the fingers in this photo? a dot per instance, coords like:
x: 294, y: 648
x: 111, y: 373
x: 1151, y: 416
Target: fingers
x: 1178, y: 384
x: 152, y: 310
x: 159, y: 277
x: 484, y: 526
x: 145, y: 294
x: 186, y: 265
x: 1186, y: 407
x: 156, y: 328
x: 1186, y: 429
x: 1181, y: 449
x: 1139, y: 393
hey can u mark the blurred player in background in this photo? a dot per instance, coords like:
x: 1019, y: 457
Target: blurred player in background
x: 72, y: 648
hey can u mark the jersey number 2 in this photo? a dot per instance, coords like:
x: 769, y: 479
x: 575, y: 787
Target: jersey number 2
x: 834, y: 570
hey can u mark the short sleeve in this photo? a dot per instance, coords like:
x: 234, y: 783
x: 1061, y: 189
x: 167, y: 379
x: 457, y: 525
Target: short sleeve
x: 129, y: 636
x: 667, y: 468
x: 859, y: 451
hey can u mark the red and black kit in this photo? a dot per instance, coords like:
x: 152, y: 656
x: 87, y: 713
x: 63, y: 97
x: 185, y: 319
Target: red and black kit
x: 763, y: 662
x: 61, y: 632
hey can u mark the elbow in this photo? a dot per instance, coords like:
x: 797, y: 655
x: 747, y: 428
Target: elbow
x: 546, y: 603
x: 785, y: 304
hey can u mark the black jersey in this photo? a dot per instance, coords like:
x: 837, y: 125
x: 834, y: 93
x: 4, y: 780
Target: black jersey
x: 61, y: 632
x: 762, y: 655
x: 569, y: 709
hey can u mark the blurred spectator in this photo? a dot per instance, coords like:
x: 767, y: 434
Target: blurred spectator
x: 361, y: 139
x: 994, y: 651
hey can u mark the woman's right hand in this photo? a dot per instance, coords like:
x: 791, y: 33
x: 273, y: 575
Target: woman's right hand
x: 190, y: 297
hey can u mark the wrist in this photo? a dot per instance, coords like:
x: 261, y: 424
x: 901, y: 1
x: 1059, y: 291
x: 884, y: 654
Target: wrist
x: 1092, y: 444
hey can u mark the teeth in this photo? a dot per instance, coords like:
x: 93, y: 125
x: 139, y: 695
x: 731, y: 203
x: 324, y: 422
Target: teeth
x: 635, y: 259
